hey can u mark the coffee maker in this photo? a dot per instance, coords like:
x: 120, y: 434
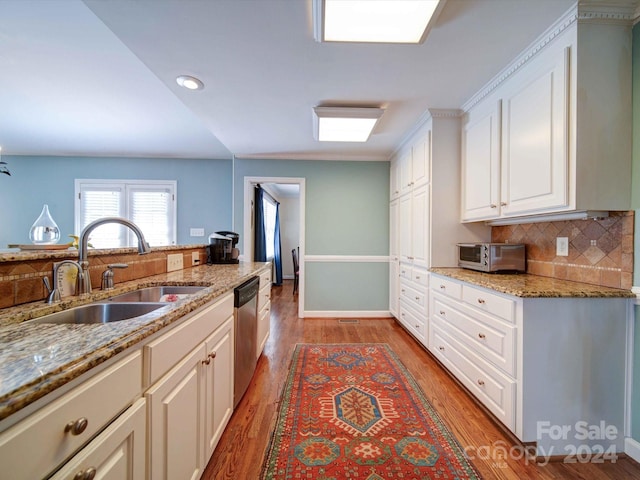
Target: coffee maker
x: 222, y: 248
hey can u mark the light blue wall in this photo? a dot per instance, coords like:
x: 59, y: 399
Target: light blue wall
x: 204, y: 191
x: 347, y: 213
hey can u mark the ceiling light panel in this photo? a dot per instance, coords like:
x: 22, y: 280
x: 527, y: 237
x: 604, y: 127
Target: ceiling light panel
x: 379, y: 21
x: 345, y: 124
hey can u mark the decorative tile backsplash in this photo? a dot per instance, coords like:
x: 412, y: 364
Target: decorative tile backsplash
x: 600, y: 251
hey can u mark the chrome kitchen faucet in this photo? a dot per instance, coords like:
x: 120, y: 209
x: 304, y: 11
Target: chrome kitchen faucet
x: 143, y: 246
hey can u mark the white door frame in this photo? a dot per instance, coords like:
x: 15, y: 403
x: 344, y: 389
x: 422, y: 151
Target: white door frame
x: 247, y: 250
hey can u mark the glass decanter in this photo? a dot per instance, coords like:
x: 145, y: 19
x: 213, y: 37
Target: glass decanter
x: 44, y: 230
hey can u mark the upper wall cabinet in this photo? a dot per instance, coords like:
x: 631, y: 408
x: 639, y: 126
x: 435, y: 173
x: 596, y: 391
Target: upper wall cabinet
x: 412, y: 168
x: 552, y: 133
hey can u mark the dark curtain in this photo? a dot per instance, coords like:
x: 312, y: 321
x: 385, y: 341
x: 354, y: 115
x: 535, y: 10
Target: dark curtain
x: 277, y: 248
x: 259, y: 240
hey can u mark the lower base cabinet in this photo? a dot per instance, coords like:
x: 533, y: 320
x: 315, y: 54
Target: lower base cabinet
x: 540, y: 365
x: 118, y: 453
x: 189, y: 408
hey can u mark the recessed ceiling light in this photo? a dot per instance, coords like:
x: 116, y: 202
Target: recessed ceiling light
x: 345, y: 124
x: 192, y: 83
x: 378, y: 21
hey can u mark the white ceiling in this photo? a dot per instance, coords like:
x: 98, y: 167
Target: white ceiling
x: 97, y: 77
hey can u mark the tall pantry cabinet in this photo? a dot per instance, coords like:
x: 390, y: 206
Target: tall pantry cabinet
x: 424, y: 216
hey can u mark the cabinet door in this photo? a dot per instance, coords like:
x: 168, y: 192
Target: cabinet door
x: 394, y: 234
x: 535, y: 119
x: 218, y: 385
x: 176, y: 420
x: 405, y: 219
x: 394, y: 178
x: 394, y: 283
x: 421, y: 160
x: 420, y: 226
x: 118, y: 453
x: 481, y: 162
x: 406, y: 175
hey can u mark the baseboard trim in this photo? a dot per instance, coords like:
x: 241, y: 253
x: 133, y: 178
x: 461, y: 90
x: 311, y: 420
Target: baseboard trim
x: 346, y: 314
x: 632, y: 448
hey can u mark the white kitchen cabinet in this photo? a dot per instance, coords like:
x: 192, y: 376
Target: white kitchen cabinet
x: 176, y: 420
x: 191, y: 402
x: 118, y: 453
x: 535, y: 362
x: 219, y: 368
x: 394, y: 180
x: 264, y: 311
x: 481, y: 162
x: 394, y: 257
x: 424, y: 221
x: 561, y: 113
x: 46, y: 439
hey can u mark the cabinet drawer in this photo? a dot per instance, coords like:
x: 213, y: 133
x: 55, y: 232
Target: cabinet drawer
x: 420, y: 276
x: 495, y: 390
x: 163, y: 353
x: 490, y: 338
x: 264, y: 297
x: 413, y: 321
x: 446, y: 287
x: 409, y: 293
x: 39, y: 444
x: 405, y: 271
x: 265, y: 278
x: 489, y: 302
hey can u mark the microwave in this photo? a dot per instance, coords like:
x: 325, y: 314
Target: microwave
x: 492, y: 257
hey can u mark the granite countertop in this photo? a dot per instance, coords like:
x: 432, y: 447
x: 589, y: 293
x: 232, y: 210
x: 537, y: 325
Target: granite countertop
x: 532, y: 286
x: 37, y: 358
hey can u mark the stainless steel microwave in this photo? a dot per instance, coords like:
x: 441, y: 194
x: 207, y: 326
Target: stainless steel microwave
x: 492, y: 257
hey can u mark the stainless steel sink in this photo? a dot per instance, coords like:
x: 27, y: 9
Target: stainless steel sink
x: 162, y: 293
x: 99, y: 313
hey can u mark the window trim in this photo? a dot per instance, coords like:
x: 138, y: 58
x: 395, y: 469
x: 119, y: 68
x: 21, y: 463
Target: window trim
x: 171, y: 185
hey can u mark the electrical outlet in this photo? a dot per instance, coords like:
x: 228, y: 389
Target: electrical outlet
x: 195, y: 259
x: 175, y: 262
x: 562, y: 246
x: 196, y: 232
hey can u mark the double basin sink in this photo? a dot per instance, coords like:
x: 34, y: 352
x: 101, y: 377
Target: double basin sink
x: 121, y: 307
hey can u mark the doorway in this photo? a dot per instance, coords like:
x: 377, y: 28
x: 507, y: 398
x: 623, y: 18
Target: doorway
x: 293, y: 190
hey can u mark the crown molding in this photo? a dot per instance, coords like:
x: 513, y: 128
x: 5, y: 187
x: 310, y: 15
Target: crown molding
x: 446, y: 112
x: 612, y: 12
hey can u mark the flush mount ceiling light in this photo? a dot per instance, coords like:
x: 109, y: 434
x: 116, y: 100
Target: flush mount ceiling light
x: 344, y: 124
x: 192, y: 83
x: 377, y: 21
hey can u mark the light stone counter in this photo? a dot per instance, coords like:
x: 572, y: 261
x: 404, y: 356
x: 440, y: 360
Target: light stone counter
x: 36, y: 359
x: 532, y: 286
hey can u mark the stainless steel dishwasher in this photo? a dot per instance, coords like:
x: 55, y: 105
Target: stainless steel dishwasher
x: 245, y: 302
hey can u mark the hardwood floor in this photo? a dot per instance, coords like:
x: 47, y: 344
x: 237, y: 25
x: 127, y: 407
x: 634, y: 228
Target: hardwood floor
x: 240, y: 452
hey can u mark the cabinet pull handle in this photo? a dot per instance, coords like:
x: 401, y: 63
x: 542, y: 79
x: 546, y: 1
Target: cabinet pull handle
x: 88, y: 474
x: 481, y: 383
x: 441, y: 348
x: 481, y: 301
x: 76, y: 427
x: 503, y: 204
x: 212, y: 355
x: 442, y: 287
x: 402, y: 290
x: 417, y: 277
x: 206, y: 361
x: 493, y: 205
x: 442, y: 312
x: 482, y: 336
x: 418, y: 298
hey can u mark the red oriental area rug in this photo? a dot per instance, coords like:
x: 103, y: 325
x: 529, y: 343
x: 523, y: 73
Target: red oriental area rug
x: 352, y: 411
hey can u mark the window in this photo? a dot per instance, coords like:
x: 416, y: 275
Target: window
x: 150, y: 204
x: 269, y: 208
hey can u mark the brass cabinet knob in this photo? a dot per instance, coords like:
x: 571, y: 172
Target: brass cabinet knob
x: 88, y: 474
x: 76, y: 427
